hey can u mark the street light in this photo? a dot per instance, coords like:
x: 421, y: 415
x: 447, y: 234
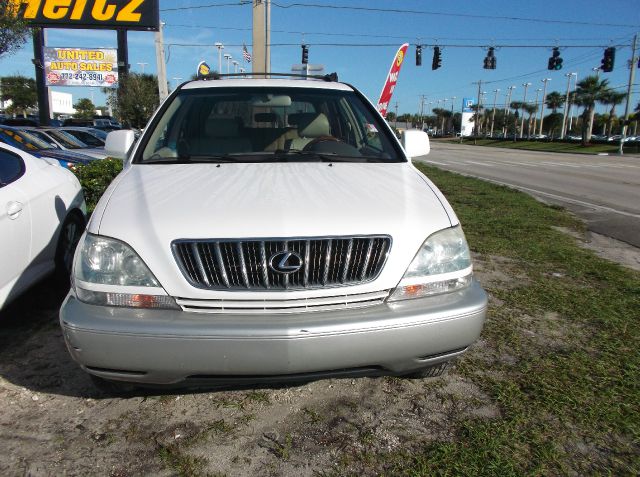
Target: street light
x: 235, y: 66
x: 507, y: 105
x: 563, y: 132
x: 544, y: 100
x: 142, y: 65
x: 524, y: 101
x: 176, y: 79
x: 220, y: 47
x: 228, y: 57
x: 493, y: 113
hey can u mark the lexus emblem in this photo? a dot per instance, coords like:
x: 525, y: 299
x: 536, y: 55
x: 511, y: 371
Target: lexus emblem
x: 285, y: 262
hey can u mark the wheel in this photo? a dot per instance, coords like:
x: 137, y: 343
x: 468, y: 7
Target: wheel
x: 70, y: 234
x: 430, y: 372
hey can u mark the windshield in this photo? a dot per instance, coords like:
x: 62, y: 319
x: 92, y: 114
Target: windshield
x: 66, y: 139
x: 24, y: 140
x: 268, y: 125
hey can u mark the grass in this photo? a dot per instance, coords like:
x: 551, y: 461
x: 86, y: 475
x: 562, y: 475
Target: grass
x: 569, y: 400
x: 572, y: 147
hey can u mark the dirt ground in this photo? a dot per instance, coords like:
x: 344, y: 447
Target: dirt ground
x: 54, y: 422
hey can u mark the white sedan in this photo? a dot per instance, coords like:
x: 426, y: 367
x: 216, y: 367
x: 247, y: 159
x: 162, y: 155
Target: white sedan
x: 42, y: 216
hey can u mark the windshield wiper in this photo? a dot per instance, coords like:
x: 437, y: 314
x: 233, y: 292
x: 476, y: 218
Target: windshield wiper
x: 200, y: 159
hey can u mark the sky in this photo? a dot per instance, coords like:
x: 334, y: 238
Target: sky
x: 359, y: 38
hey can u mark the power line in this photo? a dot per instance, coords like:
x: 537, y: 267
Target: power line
x: 464, y: 15
x: 401, y: 11
x: 441, y: 45
x: 403, y: 37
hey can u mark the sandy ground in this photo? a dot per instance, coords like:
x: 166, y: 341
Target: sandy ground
x: 54, y: 422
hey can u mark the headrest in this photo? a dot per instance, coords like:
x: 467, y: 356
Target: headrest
x: 222, y: 127
x: 310, y: 124
x: 265, y: 117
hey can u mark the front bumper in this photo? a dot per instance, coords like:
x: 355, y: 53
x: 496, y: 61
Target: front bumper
x: 168, y: 346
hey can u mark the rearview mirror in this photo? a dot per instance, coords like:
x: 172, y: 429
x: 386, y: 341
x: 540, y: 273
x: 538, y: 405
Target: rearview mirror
x: 273, y: 101
x: 415, y: 143
x: 118, y: 143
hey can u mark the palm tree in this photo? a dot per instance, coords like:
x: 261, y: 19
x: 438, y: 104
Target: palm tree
x: 554, y: 101
x: 612, y: 98
x: 517, y: 105
x: 589, y: 91
x: 530, y: 109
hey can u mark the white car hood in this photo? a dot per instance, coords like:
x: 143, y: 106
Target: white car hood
x: 152, y: 205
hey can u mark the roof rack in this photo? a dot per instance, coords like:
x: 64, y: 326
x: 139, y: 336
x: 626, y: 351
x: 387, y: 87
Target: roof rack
x: 330, y: 77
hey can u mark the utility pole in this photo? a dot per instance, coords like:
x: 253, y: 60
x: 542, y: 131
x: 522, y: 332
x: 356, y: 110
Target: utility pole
x: 161, y: 66
x: 563, y: 131
x: 544, y: 100
x: 476, y: 123
x: 634, y: 59
x: 423, y: 97
x: 524, y: 102
x: 261, y: 36
x: 493, y: 112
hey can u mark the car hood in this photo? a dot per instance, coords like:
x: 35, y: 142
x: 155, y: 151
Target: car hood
x: 150, y: 206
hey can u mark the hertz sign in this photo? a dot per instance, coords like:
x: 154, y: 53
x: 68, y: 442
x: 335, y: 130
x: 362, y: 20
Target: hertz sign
x: 108, y: 14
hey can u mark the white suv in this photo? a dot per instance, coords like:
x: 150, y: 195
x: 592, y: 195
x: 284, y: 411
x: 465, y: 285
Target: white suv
x: 270, y: 229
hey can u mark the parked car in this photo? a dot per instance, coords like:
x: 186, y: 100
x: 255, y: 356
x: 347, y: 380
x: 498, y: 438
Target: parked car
x: 104, y: 124
x: 42, y: 216
x: 65, y: 141
x: 29, y: 143
x: 270, y: 229
x: 90, y: 136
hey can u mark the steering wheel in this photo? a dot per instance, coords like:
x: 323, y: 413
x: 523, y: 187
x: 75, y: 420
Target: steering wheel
x: 310, y: 145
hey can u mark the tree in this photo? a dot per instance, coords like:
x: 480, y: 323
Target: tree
x: 517, y: 105
x: 85, y: 109
x: 589, y: 91
x: 21, y: 91
x: 612, y: 98
x: 137, y: 100
x: 554, y: 101
x: 13, y: 29
x: 530, y: 109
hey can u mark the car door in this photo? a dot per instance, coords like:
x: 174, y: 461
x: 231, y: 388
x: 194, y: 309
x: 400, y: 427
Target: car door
x: 15, y: 226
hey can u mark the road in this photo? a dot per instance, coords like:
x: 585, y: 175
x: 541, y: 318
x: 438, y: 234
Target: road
x: 602, y: 190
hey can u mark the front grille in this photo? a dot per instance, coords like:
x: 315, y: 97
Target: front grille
x: 244, y: 264
x: 298, y: 305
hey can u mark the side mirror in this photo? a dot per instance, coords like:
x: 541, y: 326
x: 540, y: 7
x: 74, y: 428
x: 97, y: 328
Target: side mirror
x: 118, y: 143
x: 415, y: 143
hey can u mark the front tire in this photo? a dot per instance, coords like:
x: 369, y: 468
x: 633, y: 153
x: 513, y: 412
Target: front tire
x: 70, y: 234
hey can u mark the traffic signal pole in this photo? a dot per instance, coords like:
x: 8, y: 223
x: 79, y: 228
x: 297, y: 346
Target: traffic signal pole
x: 632, y: 72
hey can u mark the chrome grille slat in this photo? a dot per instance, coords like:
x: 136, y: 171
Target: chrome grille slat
x: 198, y: 259
x: 244, y: 264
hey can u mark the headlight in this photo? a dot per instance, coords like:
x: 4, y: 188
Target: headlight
x: 109, y: 272
x: 442, y: 265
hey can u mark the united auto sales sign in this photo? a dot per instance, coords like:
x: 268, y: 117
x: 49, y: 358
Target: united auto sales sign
x: 109, y: 14
x: 81, y: 67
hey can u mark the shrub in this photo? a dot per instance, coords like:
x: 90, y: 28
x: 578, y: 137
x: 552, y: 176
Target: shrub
x: 95, y: 177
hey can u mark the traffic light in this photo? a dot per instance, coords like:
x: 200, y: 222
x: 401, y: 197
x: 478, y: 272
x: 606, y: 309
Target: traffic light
x: 437, y: 61
x: 418, y: 55
x: 490, y: 59
x: 606, y: 64
x: 555, y: 62
x: 305, y: 54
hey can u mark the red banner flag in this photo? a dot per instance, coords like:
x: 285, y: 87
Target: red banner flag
x: 392, y: 79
